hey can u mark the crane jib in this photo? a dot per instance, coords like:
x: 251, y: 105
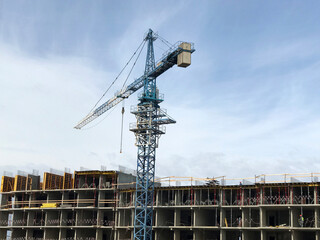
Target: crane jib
x: 166, y: 62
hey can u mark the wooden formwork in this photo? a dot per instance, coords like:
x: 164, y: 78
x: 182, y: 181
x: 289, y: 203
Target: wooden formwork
x: 7, y: 184
x: 67, y: 181
x: 52, y: 181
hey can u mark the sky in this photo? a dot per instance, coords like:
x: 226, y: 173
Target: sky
x: 247, y: 105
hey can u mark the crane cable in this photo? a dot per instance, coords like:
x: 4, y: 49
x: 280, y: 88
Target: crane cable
x: 164, y: 41
x: 122, y: 111
x: 132, y: 67
x: 142, y: 44
x: 121, y: 137
x: 117, y: 76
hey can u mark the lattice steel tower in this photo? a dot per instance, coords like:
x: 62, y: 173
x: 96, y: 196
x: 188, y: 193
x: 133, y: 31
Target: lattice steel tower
x: 148, y: 129
x: 150, y: 123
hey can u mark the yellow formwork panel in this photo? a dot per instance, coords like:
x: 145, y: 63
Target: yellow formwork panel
x: 20, y: 183
x: 49, y: 205
x: 67, y: 181
x: 7, y: 184
x: 52, y: 181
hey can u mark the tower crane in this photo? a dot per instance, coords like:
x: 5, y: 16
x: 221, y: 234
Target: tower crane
x: 149, y: 125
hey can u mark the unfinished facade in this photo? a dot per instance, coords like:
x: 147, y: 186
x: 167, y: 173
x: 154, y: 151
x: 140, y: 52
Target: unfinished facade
x: 100, y: 205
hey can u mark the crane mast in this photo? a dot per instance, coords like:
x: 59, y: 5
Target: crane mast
x: 149, y: 125
x: 148, y: 130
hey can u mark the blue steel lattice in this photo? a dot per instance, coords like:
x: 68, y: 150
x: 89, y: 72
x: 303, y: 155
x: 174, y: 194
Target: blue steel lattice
x: 147, y: 130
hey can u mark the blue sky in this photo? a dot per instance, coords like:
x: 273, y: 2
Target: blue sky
x: 248, y: 104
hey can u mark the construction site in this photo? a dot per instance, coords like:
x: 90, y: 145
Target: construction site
x: 117, y: 205
x: 99, y: 204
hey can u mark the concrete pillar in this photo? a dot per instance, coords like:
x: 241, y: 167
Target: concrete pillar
x: 29, y: 233
x: 263, y: 217
x: 177, y: 217
x: 156, y: 216
x: 62, y: 233
x: 291, y: 217
x: 223, y: 235
x: 99, y: 234
x: 177, y: 199
x: 132, y: 217
x: 193, y: 217
x: 30, y: 218
x: 176, y: 235
x: 316, y: 217
x: 263, y: 235
x: 294, y: 216
x: 293, y: 235
x: 222, y: 217
x: 197, y: 219
x: 158, y: 196
x: 244, y: 217
x: 261, y: 196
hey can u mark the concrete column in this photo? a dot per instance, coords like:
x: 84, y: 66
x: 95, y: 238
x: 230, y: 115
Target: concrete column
x: 294, y: 216
x: 291, y: 217
x: 99, y: 234
x: 316, y: 217
x: 119, y: 218
x: 76, y: 234
x: 223, y: 235
x: 177, y: 217
x: 243, y: 235
x: 158, y: 198
x: 244, y: 216
x: 156, y: 216
x: 132, y: 217
x: 177, y: 199
x: 30, y: 218
x: 62, y: 233
x: 197, y: 219
x: 193, y: 217
x: 262, y: 217
x: 29, y: 233
x: 263, y: 235
x: 293, y: 235
x: 222, y: 217
x: 176, y: 235
x: 99, y: 217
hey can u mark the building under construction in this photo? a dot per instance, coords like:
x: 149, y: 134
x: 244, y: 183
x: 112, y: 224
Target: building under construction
x: 100, y: 205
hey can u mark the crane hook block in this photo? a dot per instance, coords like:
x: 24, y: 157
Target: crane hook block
x: 184, y: 58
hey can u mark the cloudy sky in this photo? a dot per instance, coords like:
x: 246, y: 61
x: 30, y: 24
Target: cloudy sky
x: 248, y: 104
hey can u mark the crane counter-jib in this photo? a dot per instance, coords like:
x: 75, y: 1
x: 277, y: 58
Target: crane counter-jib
x: 170, y: 58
